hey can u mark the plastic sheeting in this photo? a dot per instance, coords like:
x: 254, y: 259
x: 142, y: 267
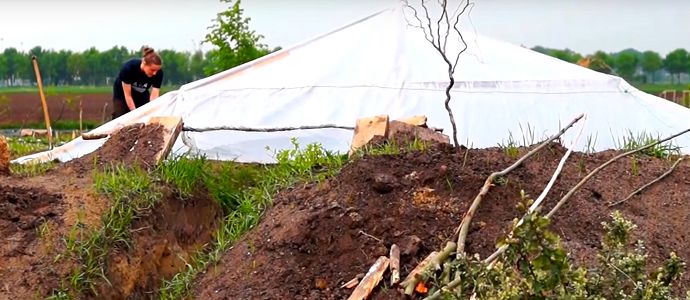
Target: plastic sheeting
x: 381, y: 65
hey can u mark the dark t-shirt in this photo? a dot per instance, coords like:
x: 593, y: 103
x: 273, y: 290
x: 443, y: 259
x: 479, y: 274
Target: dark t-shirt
x: 132, y: 74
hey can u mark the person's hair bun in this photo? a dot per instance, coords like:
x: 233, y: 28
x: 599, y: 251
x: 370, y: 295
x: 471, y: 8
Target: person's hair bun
x: 146, y: 50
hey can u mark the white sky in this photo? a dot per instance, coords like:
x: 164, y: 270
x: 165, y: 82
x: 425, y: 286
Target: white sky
x: 584, y: 26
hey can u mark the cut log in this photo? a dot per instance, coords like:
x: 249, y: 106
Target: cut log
x: 414, y: 120
x: 33, y: 132
x: 371, y: 280
x: 400, y: 130
x: 395, y: 264
x: 366, y: 129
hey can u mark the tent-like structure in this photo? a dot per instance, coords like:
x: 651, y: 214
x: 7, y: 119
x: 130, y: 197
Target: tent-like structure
x: 382, y: 65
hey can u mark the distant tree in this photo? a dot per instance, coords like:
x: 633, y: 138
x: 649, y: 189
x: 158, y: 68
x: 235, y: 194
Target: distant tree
x: 626, y: 65
x: 565, y: 55
x: 3, y: 70
x: 602, y: 62
x: 197, y: 65
x: 676, y: 62
x: 236, y: 43
x: 651, y: 63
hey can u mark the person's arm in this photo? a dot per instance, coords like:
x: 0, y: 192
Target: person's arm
x: 156, y: 86
x: 127, y: 89
x: 155, y: 92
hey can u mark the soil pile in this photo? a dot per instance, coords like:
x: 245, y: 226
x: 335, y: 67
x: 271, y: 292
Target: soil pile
x: 133, y: 145
x: 38, y: 213
x: 318, y: 236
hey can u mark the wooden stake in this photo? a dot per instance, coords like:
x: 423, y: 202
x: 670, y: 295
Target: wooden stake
x: 81, y: 111
x: 46, y: 116
x: 395, y: 264
x: 371, y: 280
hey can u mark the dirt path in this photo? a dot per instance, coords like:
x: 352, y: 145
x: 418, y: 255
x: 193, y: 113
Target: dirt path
x: 318, y: 236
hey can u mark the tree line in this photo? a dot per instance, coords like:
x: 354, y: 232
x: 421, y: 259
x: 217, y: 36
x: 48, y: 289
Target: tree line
x: 234, y: 44
x: 92, y: 67
x: 633, y: 65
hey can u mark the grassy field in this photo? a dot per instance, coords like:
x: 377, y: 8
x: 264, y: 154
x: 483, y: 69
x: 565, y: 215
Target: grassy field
x: 655, y: 89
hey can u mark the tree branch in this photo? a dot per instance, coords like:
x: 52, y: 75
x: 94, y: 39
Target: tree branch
x: 669, y: 171
x: 250, y: 129
x: 586, y: 178
x: 542, y: 196
x: 465, y: 224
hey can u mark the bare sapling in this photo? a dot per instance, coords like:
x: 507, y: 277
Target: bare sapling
x: 438, y: 34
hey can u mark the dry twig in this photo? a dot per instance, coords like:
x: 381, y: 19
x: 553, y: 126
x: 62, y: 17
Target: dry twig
x: 610, y: 161
x: 542, y: 196
x: 637, y: 191
x: 465, y: 224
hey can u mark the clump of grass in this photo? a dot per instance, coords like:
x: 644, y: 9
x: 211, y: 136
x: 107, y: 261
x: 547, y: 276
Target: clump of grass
x: 31, y: 169
x: 510, y: 147
x: 394, y: 147
x: 244, y: 191
x: 184, y: 172
x: 632, y: 141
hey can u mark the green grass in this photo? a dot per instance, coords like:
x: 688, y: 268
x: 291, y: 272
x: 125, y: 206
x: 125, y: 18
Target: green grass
x: 133, y: 193
x: 633, y: 141
x: 21, y: 146
x: 56, y: 125
x: 244, y: 191
x: 655, y: 88
x: 53, y: 90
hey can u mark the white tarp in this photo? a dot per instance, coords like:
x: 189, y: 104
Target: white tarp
x: 381, y: 65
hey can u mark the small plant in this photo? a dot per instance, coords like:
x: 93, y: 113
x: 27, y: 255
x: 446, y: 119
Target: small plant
x: 510, y: 147
x: 591, y: 144
x: 536, y: 266
x: 634, y: 166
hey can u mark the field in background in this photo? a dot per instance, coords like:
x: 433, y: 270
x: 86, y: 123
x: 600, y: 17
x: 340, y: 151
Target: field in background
x: 20, y: 107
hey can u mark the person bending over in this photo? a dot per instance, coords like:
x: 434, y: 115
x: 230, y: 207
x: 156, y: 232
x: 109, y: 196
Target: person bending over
x: 138, y: 82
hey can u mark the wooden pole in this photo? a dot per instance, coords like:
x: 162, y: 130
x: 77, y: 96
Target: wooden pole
x: 43, y: 101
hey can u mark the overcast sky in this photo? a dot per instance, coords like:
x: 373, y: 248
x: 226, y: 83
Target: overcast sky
x: 584, y: 26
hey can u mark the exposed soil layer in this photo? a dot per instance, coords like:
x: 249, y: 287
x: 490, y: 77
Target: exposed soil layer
x: 37, y: 214
x: 318, y: 236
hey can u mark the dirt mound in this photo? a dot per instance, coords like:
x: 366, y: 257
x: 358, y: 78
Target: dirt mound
x: 133, y: 145
x: 24, y: 216
x: 318, y: 236
x: 37, y: 215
